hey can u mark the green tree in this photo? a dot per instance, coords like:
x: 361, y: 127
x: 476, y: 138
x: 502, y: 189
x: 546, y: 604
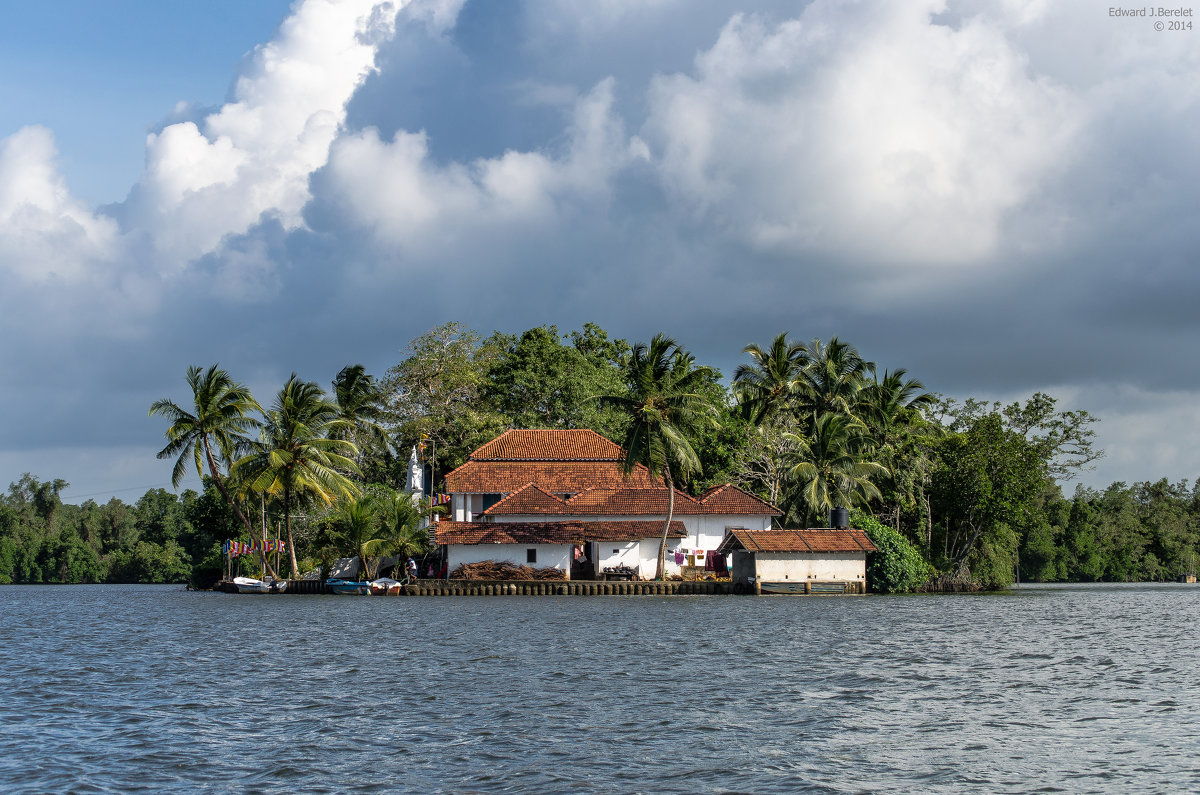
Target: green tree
x: 987, y: 482
x: 436, y: 391
x: 832, y: 467
x: 299, y: 453
x: 540, y: 381
x: 360, y: 403
x: 766, y: 388
x: 212, y: 433
x: 666, y: 405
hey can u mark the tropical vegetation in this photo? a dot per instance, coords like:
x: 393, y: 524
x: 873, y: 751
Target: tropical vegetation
x: 956, y: 494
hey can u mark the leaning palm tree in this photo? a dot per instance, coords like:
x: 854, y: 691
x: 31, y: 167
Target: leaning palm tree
x: 831, y: 467
x: 665, y: 406
x: 766, y: 388
x: 212, y: 433
x: 298, y: 453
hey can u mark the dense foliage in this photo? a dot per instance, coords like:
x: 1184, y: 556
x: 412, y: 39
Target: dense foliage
x: 956, y: 494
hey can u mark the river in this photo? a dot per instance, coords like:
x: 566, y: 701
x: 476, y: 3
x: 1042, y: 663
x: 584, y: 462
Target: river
x: 1043, y: 688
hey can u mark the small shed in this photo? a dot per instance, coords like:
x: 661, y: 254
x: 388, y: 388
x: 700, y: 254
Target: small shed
x: 810, y: 561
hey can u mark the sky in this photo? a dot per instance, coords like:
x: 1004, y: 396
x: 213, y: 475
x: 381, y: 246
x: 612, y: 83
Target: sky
x: 997, y: 195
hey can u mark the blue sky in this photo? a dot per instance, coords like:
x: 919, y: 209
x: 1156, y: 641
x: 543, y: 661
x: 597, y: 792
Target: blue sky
x: 996, y: 195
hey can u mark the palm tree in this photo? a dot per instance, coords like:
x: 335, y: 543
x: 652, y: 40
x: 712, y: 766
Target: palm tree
x: 893, y: 410
x: 830, y: 380
x: 299, y: 453
x: 665, y: 406
x: 405, y: 530
x: 765, y: 388
x: 831, y: 466
x: 359, y: 526
x: 211, y: 435
x: 360, y: 403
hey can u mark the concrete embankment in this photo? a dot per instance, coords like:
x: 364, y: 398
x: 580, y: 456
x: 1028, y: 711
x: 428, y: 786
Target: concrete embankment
x: 539, y: 588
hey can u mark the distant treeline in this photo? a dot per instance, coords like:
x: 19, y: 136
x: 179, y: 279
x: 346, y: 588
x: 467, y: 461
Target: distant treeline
x: 972, y: 491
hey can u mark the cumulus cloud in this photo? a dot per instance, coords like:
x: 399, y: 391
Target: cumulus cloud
x: 860, y: 129
x: 947, y: 185
x: 45, y: 234
x: 252, y: 158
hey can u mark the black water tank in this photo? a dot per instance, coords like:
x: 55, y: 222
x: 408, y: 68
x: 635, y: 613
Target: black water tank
x: 839, y: 517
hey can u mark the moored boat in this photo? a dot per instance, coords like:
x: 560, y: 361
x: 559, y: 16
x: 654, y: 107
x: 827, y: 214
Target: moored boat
x: 348, y: 587
x: 250, y: 585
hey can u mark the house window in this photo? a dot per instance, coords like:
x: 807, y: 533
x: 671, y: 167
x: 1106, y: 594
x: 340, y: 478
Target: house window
x: 489, y: 500
x: 531, y: 556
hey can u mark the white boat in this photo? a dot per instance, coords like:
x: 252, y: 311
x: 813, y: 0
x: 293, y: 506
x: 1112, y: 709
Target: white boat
x: 250, y: 585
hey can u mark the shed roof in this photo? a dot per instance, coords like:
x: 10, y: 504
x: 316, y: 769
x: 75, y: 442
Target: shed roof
x: 813, y: 539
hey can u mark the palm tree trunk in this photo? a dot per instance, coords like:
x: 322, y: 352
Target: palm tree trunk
x: 287, y: 521
x: 220, y: 484
x: 661, y: 573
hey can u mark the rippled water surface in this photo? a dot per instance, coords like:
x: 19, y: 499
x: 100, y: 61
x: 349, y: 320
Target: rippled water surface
x: 135, y: 688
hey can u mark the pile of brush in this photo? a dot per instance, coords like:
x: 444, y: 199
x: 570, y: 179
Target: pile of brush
x: 502, y: 570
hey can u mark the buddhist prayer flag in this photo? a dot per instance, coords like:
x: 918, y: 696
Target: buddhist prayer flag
x: 439, y: 499
x: 236, y: 548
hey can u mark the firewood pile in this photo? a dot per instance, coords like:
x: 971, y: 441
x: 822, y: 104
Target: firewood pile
x: 501, y: 570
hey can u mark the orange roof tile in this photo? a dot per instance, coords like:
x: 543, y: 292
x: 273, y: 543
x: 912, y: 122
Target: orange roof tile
x: 572, y: 532
x: 528, y: 499
x: 808, y: 540
x: 729, y: 499
x: 579, y: 444
x: 630, y: 501
x: 553, y: 477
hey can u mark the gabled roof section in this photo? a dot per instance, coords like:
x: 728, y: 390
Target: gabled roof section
x: 580, y: 444
x: 553, y: 477
x: 631, y: 501
x: 570, y: 532
x: 811, y: 540
x: 528, y: 499
x: 729, y: 499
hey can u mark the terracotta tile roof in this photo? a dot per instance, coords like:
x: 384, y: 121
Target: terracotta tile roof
x: 810, y: 540
x: 528, y: 499
x: 474, y: 533
x: 548, y: 445
x: 553, y: 477
x: 729, y: 499
x: 631, y: 501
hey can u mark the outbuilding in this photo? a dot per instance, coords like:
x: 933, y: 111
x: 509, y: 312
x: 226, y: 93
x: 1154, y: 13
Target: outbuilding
x: 810, y: 561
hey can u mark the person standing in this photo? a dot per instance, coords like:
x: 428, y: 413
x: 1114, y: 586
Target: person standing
x: 411, y: 566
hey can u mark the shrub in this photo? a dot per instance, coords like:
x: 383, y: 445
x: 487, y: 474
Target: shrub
x: 897, y: 567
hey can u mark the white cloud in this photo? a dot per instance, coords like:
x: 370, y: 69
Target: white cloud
x: 252, y: 158
x: 45, y: 234
x: 394, y: 189
x: 861, y: 129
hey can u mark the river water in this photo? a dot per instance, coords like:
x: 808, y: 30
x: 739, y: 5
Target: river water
x: 1044, y: 688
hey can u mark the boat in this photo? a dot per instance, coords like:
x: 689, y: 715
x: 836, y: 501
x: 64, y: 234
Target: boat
x: 801, y: 587
x: 250, y: 585
x: 783, y: 586
x: 348, y: 587
x: 383, y: 586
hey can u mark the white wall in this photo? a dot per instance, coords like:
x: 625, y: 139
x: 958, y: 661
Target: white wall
x: 649, y: 557
x: 811, y: 566
x: 703, y: 531
x: 556, y: 555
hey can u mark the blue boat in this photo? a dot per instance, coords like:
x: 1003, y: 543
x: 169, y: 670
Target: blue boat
x: 348, y: 587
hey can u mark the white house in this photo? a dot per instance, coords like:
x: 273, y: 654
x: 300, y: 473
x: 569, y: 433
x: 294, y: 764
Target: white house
x: 559, y: 497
